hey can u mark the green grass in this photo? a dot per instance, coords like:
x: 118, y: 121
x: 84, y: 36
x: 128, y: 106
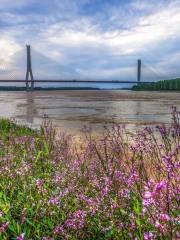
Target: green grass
x: 8, y: 127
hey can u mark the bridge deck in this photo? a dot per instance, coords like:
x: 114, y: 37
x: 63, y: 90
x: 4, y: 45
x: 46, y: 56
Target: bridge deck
x: 68, y: 81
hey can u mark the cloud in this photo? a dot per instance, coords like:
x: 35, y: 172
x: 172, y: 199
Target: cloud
x: 95, y: 38
x: 10, y: 5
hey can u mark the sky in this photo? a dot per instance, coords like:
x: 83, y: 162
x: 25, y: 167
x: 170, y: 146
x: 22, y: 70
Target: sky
x: 90, y: 39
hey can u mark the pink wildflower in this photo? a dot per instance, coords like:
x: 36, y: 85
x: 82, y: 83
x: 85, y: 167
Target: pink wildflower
x: 47, y: 238
x: 165, y: 217
x: 159, y: 186
x: 159, y: 226
x: 148, y: 195
x: 76, y: 220
x: 54, y: 201
x: 21, y: 237
x: 59, y: 230
x: 23, y: 216
x: 4, y: 227
x: 148, y: 236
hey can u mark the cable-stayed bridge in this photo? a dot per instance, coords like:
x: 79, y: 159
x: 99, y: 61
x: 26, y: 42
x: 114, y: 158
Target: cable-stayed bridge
x: 30, y: 67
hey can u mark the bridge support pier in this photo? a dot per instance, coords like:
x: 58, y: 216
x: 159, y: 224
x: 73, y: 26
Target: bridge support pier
x: 139, y: 71
x: 29, y: 84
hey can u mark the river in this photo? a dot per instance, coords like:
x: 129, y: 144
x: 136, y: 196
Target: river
x: 71, y: 110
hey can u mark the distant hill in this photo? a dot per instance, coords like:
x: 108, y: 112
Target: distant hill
x: 171, y: 84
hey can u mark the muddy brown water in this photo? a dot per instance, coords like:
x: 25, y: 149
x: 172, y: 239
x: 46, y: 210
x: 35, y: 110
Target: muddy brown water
x: 71, y: 110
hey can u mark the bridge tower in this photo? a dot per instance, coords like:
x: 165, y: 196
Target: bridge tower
x: 139, y: 71
x: 29, y: 70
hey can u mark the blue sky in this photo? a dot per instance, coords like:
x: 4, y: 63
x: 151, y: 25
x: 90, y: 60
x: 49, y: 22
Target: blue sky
x: 93, y: 39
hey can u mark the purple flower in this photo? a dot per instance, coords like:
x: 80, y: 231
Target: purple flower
x: 148, y: 236
x: 23, y: 216
x: 4, y: 227
x: 54, y: 201
x: 159, y: 226
x: 47, y: 238
x: 59, y: 230
x: 76, y: 220
x: 21, y: 236
x: 165, y: 217
x: 148, y: 195
x: 159, y: 186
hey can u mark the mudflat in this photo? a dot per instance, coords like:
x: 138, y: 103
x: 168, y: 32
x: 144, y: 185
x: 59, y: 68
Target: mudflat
x: 71, y: 110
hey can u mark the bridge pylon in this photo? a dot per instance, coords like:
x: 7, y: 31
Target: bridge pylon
x: 139, y: 63
x: 29, y: 85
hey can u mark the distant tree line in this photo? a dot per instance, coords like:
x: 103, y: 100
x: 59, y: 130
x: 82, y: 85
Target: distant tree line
x: 173, y: 84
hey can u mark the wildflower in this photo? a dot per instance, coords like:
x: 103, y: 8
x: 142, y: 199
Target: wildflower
x: 162, y: 129
x: 107, y: 186
x: 148, y: 195
x: 148, y: 236
x: 130, y: 235
x: 47, y: 238
x: 133, y: 178
x: 54, y: 201
x: 86, y: 129
x: 147, y: 202
x: 39, y: 182
x: 125, y: 193
x: 40, y: 186
x: 119, y: 175
x: 148, y: 130
x: 59, y: 230
x: 23, y: 216
x: 150, y: 183
x: 107, y: 229
x: 160, y: 185
x: 165, y: 217
x: 4, y: 227
x: 159, y: 226
x: 76, y: 220
x: 58, y: 179
x: 32, y: 146
x: 21, y: 236
x: 105, y: 190
x: 113, y: 204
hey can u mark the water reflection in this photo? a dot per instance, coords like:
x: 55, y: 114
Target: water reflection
x: 31, y: 110
x: 138, y: 108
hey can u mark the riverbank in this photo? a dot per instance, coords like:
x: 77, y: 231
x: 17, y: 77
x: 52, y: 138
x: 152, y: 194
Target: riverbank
x: 116, y: 186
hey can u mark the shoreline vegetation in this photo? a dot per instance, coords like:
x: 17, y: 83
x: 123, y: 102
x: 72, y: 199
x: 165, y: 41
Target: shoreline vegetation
x: 163, y: 85
x: 115, y: 186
